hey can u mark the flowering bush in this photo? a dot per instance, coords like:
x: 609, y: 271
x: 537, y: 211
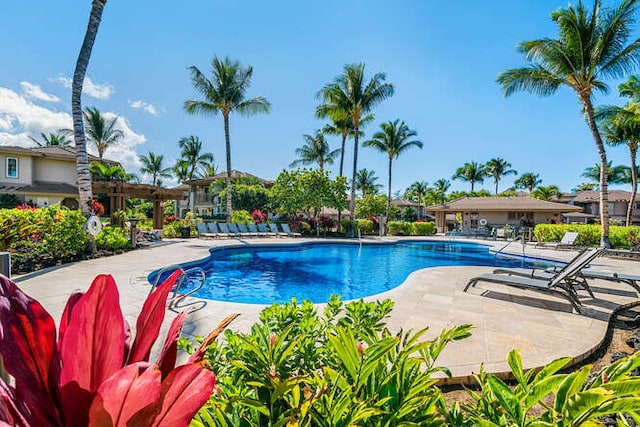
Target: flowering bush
x: 97, y: 208
x: 258, y: 217
x: 171, y: 218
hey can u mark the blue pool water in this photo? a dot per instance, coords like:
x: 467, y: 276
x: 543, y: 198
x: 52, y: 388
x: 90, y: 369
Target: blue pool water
x: 268, y: 274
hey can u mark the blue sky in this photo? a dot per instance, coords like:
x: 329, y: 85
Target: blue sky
x: 442, y: 57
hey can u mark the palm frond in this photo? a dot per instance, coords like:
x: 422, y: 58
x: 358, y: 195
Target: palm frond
x: 533, y: 79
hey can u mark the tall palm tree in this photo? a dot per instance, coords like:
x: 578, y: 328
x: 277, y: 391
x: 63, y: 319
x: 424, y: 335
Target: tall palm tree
x: 394, y: 138
x: 225, y: 93
x: 442, y: 185
x: 497, y: 168
x: 546, y: 193
x: 366, y: 182
x: 191, y: 152
x: 342, y: 126
x: 416, y: 192
x: 351, y: 96
x: 592, y: 46
x: 82, y: 159
x: 315, y: 150
x: 470, y: 172
x: 181, y: 170
x: 152, y: 165
x: 207, y: 168
x: 100, y: 131
x: 527, y: 181
x: 58, y: 138
x: 615, y: 174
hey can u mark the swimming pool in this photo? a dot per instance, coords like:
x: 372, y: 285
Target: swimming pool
x: 264, y: 274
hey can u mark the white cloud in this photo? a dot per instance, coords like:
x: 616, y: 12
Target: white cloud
x: 90, y: 88
x: 149, y: 108
x: 34, y: 91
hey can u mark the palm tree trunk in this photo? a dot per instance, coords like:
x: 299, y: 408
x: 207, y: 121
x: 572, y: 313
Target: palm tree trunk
x: 389, y: 196
x: 227, y: 142
x: 344, y: 140
x: 473, y: 183
x: 496, y: 187
x: 634, y: 182
x: 604, y: 195
x: 352, y: 202
x: 82, y: 160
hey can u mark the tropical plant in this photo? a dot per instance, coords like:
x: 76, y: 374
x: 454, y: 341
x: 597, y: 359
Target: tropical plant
x: 527, y: 181
x: 471, y: 172
x: 207, y: 168
x: 616, y: 174
x: 416, y: 192
x: 248, y: 197
x: 393, y: 139
x: 591, y: 47
x: 349, y: 95
x: 101, y: 131
x: 546, y: 193
x: 192, y: 155
x: 152, y: 165
x: 181, y: 170
x: 107, y: 172
x: 442, y: 185
x: 315, y: 150
x: 342, y: 125
x: 89, y: 373
x: 225, y: 93
x: 59, y: 138
x: 497, y: 168
x: 372, y: 205
x: 366, y: 182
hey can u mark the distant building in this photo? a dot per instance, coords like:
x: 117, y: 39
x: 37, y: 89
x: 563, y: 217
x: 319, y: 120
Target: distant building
x: 618, y: 203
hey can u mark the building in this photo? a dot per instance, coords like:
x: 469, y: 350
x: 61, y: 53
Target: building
x: 475, y: 212
x: 589, y: 201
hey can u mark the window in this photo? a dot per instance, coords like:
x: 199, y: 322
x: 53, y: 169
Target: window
x: 12, y: 167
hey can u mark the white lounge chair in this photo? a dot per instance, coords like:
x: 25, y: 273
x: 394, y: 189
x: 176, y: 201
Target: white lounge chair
x: 567, y: 241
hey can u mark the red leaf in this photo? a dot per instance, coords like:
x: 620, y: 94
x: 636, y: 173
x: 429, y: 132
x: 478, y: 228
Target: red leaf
x: 150, y: 319
x: 28, y: 347
x: 133, y: 390
x: 92, y: 349
x: 169, y: 353
x: 199, y: 354
x: 184, y: 392
x: 66, y: 315
x: 11, y: 409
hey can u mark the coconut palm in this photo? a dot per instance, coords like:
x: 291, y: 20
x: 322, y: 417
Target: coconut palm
x: 207, y: 168
x: 342, y: 126
x: 181, y: 170
x: 546, y: 193
x: 349, y: 95
x: 393, y: 139
x: 366, y: 182
x: 191, y: 152
x: 82, y: 159
x: 527, y: 181
x: 615, y: 174
x: 497, y: 168
x: 100, y: 131
x: 107, y: 172
x: 442, y: 185
x: 416, y: 192
x: 152, y: 165
x: 59, y: 138
x: 471, y: 172
x: 592, y: 46
x: 315, y: 150
x: 225, y: 93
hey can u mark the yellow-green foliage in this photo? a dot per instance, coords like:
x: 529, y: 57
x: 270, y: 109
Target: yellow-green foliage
x: 589, y: 234
x: 399, y: 228
x: 423, y: 228
x: 112, y: 238
x: 172, y: 229
x: 241, y: 217
x: 365, y: 226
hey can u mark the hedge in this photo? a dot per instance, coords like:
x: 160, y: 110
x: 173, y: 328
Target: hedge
x: 589, y: 234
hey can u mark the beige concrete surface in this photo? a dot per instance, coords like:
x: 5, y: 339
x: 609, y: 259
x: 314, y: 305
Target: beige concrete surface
x: 542, y: 326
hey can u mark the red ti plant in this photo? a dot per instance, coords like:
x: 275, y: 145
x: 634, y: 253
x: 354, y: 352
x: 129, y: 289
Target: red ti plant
x: 93, y: 375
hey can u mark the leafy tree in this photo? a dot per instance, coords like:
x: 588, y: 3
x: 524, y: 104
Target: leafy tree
x: 416, y: 193
x: 366, y: 182
x: 152, y: 165
x: 371, y: 205
x: 225, y: 93
x: 315, y: 150
x: 497, y: 168
x: 585, y: 186
x: 471, y: 172
x: 59, y: 138
x: 546, y: 193
x: 192, y: 155
x: 527, y: 181
x: 349, y: 95
x: 455, y: 195
x: 249, y: 197
x: 591, y: 47
x: 105, y: 172
x: 100, y: 131
x: 394, y: 139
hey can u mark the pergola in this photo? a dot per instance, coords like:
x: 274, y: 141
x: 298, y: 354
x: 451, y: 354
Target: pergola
x: 118, y: 191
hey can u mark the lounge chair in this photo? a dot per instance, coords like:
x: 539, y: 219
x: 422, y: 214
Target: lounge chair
x: 220, y: 231
x: 567, y: 241
x: 244, y: 231
x: 286, y: 229
x: 203, y: 231
x: 226, y: 229
x: 262, y: 231
x: 213, y: 229
x: 273, y: 227
x: 253, y: 229
x: 561, y: 283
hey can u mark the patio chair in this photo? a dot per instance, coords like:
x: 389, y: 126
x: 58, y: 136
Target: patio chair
x: 253, y: 229
x: 212, y: 227
x: 286, y: 229
x: 244, y: 231
x: 202, y: 230
x: 262, y: 231
x: 273, y: 227
x: 567, y: 241
x: 559, y: 284
x: 229, y: 228
x: 222, y: 230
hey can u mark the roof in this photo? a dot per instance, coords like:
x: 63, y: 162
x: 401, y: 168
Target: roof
x: 404, y: 202
x: 592, y: 196
x: 43, y: 187
x: 53, y: 151
x: 578, y: 215
x: 502, y: 204
x: 235, y: 174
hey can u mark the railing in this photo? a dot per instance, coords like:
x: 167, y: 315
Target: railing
x: 520, y: 237
x: 175, y: 301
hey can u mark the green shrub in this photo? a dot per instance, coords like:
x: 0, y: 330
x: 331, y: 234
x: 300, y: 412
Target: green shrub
x: 172, y: 229
x: 399, y: 228
x: 344, y: 225
x: 241, y: 217
x: 112, y: 239
x: 589, y: 234
x: 423, y: 228
x: 364, y: 225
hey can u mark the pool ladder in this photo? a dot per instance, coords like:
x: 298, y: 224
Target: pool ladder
x: 176, y: 300
x: 520, y: 237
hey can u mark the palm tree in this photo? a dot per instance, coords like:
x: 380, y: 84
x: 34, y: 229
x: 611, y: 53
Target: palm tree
x: 342, y: 126
x: 615, y: 174
x: 393, y: 139
x: 351, y: 96
x: 225, y: 93
x: 470, y: 172
x: 82, y: 159
x: 527, y: 181
x: 181, y: 170
x: 592, y: 46
x: 58, y: 138
x: 546, y: 193
x: 106, y: 172
x: 497, y: 168
x: 152, y: 165
x: 442, y: 185
x: 100, y: 131
x: 191, y: 152
x: 207, y: 168
x: 415, y: 192
x: 366, y: 182
x: 315, y: 150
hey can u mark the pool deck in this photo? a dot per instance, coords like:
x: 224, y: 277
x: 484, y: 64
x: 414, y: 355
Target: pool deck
x: 542, y: 326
